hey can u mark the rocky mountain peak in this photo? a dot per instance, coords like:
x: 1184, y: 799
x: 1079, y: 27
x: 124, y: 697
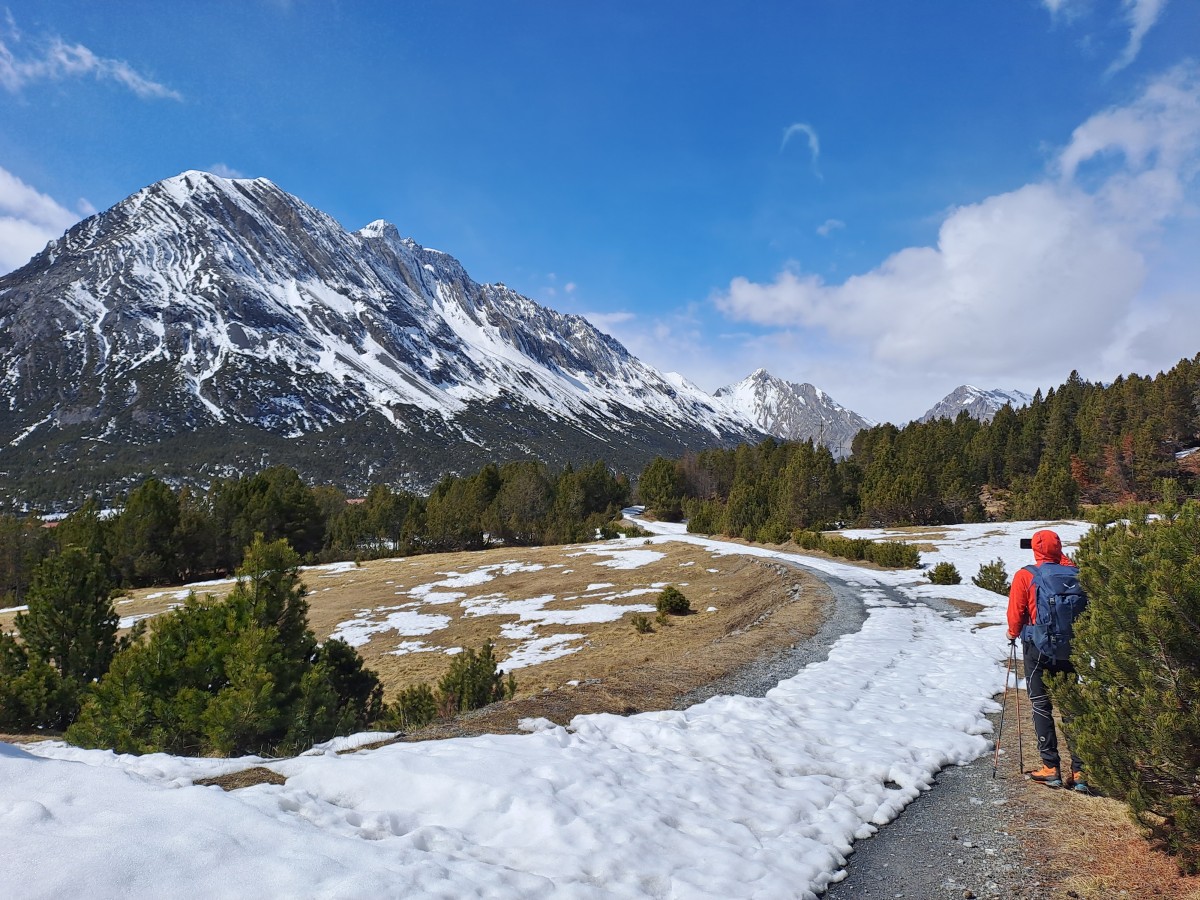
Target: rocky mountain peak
x: 976, y: 402
x: 793, y: 411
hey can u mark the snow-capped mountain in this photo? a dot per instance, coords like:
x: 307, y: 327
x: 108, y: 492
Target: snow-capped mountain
x: 793, y: 411
x: 206, y: 324
x: 980, y: 404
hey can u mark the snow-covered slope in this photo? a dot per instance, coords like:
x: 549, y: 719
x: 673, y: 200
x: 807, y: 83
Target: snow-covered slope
x: 793, y: 411
x: 980, y: 404
x: 229, y: 307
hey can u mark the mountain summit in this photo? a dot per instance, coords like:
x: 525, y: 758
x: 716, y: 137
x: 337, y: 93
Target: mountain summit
x: 797, y: 412
x: 979, y: 404
x: 206, y: 325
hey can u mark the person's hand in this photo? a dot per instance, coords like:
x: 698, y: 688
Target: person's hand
x: 1012, y: 641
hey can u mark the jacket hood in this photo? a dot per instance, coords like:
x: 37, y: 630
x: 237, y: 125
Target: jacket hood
x: 1047, y: 547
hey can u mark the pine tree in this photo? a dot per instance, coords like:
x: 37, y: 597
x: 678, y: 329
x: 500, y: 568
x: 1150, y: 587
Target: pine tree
x: 661, y: 489
x: 1137, y: 706
x: 71, y: 622
x: 141, y: 539
x: 234, y: 676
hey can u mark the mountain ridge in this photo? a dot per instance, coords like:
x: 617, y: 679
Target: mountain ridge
x: 204, y: 305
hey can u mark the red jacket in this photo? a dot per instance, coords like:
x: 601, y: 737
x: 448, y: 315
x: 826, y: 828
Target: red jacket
x: 1022, y: 596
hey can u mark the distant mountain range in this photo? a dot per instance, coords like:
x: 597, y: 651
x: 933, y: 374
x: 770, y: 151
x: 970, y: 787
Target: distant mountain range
x: 207, y: 326
x: 980, y: 404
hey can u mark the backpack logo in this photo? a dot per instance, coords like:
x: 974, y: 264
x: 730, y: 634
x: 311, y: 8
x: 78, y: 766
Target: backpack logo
x: 1060, y: 599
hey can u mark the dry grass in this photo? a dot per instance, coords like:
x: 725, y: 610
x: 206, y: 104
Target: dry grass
x: 1089, y: 847
x: 968, y: 608
x: 1082, y: 846
x: 757, y: 606
x: 243, y: 778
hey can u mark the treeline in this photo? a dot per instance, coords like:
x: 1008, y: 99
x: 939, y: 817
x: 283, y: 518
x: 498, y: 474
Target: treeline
x: 1081, y: 443
x: 163, y: 536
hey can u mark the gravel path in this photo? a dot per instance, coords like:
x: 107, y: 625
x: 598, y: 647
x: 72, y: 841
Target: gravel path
x: 952, y: 841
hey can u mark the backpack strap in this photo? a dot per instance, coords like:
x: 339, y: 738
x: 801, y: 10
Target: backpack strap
x: 1032, y: 569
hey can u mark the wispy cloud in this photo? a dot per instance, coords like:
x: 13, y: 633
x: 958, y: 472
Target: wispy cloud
x: 1102, y: 252
x: 814, y: 142
x: 29, y: 219
x: 829, y: 226
x: 224, y: 171
x: 1064, y: 8
x: 1141, y: 15
x: 55, y: 60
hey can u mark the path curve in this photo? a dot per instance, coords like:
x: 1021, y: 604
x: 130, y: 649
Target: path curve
x: 951, y: 840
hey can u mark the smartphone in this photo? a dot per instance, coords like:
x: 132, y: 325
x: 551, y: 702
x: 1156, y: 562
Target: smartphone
x: 1026, y: 543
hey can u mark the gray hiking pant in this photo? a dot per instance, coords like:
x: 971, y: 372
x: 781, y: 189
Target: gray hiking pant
x: 1036, y: 665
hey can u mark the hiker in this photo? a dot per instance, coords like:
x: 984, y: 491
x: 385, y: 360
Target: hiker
x: 1046, y: 653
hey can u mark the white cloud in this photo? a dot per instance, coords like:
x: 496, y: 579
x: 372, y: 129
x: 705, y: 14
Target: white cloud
x: 1024, y: 286
x: 814, y: 142
x: 1141, y: 15
x: 56, y: 60
x: 829, y: 226
x: 223, y: 171
x: 28, y: 220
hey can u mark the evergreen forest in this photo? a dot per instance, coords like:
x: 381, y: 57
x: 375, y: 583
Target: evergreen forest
x: 165, y: 536
x: 1082, y: 446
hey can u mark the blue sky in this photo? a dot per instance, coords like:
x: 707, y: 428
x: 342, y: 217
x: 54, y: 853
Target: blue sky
x: 884, y: 199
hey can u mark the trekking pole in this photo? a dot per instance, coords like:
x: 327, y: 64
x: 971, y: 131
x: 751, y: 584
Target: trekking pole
x: 1003, y: 706
x: 1017, y: 691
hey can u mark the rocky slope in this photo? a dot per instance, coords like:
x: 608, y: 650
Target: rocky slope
x: 205, y: 325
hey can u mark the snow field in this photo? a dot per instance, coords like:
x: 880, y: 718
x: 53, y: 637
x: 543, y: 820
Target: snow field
x: 408, y: 619
x: 735, y: 797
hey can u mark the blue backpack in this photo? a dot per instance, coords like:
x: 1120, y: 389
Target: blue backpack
x: 1060, y: 599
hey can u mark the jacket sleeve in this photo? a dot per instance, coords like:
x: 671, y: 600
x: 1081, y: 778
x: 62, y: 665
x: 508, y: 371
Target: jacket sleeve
x: 1019, y: 614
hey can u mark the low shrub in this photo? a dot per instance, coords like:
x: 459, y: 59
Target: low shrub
x: 772, y: 533
x: 414, y: 707
x: 641, y: 623
x: 993, y: 577
x: 847, y: 548
x: 809, y: 540
x: 474, y: 680
x: 672, y: 602
x: 618, y: 529
x: 945, y: 573
x: 890, y: 554
x: 893, y: 554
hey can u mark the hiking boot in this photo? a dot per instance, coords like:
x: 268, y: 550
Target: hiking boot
x: 1077, y: 782
x: 1047, y: 775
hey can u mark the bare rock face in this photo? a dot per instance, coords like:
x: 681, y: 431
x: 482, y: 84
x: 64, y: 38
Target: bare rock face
x: 206, y: 326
